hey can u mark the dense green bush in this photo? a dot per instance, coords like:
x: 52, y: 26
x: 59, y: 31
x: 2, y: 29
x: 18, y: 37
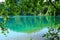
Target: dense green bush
x: 30, y: 7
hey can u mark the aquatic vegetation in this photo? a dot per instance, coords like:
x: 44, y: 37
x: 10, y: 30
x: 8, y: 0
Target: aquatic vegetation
x: 31, y: 38
x: 52, y: 34
x: 4, y: 30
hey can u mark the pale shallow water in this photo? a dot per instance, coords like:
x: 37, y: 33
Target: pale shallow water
x: 24, y: 36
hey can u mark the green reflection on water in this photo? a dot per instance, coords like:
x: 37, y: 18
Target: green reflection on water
x: 31, y: 23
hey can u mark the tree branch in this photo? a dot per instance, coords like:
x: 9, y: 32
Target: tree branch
x: 53, y: 5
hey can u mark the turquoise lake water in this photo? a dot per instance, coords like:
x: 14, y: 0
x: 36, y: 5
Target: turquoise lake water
x: 30, y: 23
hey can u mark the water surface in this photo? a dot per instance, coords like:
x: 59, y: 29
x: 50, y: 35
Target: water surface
x: 30, y: 23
